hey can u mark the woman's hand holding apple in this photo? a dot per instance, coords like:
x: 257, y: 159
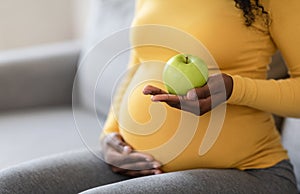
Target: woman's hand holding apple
x: 199, y: 100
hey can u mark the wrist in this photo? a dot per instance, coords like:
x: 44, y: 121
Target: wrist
x: 228, y: 81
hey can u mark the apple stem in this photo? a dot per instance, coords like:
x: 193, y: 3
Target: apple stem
x: 186, y: 59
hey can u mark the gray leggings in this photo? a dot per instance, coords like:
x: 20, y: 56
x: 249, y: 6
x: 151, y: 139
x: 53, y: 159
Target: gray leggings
x: 81, y: 171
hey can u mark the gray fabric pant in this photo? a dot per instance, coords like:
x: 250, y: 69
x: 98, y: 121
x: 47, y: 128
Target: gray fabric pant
x: 81, y: 171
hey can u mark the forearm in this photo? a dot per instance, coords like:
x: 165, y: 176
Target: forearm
x: 281, y: 97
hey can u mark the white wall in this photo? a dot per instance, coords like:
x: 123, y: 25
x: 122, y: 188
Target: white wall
x: 25, y: 23
x: 80, y: 15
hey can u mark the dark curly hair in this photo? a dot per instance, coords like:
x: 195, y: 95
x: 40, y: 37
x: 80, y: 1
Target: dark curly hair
x: 252, y: 10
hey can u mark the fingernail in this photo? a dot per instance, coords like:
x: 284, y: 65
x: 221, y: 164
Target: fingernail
x: 127, y: 149
x: 156, y: 165
x: 157, y: 172
x: 147, y: 92
x: 153, y: 99
x: 191, y: 95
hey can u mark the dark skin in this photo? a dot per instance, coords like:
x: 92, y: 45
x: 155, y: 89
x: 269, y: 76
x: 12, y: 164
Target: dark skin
x: 199, y: 100
x: 123, y: 159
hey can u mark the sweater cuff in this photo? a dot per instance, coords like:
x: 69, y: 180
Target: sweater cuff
x: 244, y: 91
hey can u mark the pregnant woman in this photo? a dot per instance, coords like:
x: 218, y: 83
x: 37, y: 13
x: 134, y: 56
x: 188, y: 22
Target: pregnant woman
x: 219, y: 138
x: 247, y: 155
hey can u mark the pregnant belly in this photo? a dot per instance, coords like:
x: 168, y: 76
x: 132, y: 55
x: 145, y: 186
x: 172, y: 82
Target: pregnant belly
x: 242, y: 138
x: 172, y: 136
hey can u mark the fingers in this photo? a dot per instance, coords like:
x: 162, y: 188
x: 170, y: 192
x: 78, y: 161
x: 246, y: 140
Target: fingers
x: 115, y: 141
x: 166, y: 98
x: 136, y: 173
x: 212, y: 87
x: 134, y: 157
x: 199, y: 93
x: 134, y: 164
x: 202, y: 106
x: 116, y: 155
x: 118, y: 152
x: 136, y: 169
x: 198, y: 100
x: 124, y: 160
x: 144, y: 165
x: 171, y: 100
x: 131, y: 162
x: 195, y: 105
x: 152, y: 90
x: 217, y: 83
x: 143, y: 173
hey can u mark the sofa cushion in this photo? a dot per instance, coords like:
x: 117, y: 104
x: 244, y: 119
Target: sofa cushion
x: 32, y: 133
x: 96, y: 79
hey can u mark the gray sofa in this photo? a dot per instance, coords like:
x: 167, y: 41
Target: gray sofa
x: 42, y: 113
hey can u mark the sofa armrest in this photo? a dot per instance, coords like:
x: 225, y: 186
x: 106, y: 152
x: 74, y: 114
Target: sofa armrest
x: 38, y: 76
x: 290, y: 140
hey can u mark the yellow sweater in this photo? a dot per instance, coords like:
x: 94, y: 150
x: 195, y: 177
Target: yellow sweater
x: 239, y: 134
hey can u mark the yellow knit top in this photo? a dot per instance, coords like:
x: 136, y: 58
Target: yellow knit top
x: 238, y: 134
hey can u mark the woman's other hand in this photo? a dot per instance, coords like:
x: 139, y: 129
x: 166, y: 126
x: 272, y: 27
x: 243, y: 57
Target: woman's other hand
x: 124, y: 160
x: 199, y: 100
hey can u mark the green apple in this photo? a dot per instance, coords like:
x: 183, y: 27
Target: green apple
x: 184, y: 72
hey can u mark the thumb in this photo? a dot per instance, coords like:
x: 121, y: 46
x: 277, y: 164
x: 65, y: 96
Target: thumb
x: 198, y: 93
x: 116, y: 141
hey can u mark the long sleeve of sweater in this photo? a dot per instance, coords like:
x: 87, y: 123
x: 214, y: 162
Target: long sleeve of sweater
x: 281, y: 97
